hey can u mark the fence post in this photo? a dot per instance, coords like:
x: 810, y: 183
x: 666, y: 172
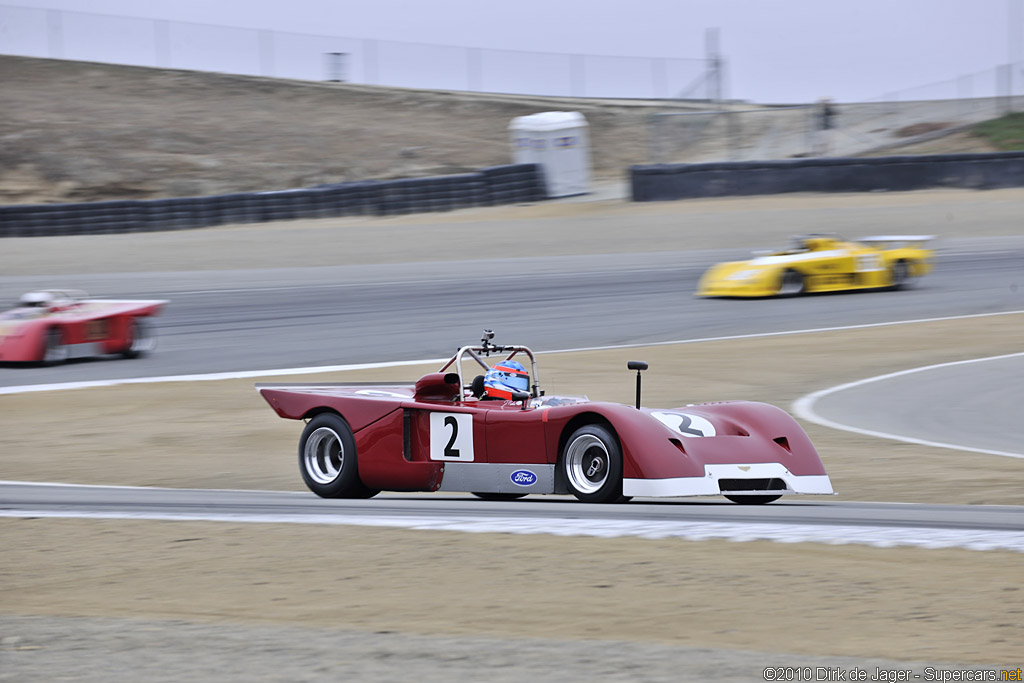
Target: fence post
x: 474, y: 70
x: 1004, y: 88
x: 266, y: 48
x: 659, y: 78
x: 162, y: 43
x: 714, y: 66
x: 577, y: 76
x: 55, y: 33
x: 370, y: 61
x: 964, y: 91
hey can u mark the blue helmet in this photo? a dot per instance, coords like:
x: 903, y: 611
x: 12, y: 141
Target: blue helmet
x: 506, y: 377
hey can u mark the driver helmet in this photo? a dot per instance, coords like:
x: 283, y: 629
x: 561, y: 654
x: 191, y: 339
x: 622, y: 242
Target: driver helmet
x: 504, y: 378
x: 37, y: 300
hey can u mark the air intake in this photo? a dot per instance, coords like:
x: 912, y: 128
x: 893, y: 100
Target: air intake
x: 766, y: 484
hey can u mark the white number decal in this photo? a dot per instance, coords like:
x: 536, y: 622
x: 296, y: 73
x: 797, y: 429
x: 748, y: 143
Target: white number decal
x: 867, y: 262
x: 687, y: 425
x: 451, y: 437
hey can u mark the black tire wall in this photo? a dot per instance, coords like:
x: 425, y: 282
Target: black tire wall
x: 510, y: 184
x: 870, y: 174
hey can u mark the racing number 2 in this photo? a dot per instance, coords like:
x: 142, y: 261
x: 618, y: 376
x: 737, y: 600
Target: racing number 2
x: 450, y: 452
x: 451, y: 437
x: 684, y: 424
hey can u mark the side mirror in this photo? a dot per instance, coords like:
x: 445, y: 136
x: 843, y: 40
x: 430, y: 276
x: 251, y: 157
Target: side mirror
x: 639, y: 366
x: 521, y: 396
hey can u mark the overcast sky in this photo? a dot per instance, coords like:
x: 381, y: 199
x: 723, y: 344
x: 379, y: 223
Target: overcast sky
x: 776, y: 50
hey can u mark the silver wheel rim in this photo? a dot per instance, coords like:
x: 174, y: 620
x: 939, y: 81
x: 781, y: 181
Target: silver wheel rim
x: 791, y: 283
x: 586, y: 463
x: 324, y: 455
x: 55, y: 351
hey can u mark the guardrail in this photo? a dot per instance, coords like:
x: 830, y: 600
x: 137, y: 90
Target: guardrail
x: 486, y: 187
x: 686, y: 181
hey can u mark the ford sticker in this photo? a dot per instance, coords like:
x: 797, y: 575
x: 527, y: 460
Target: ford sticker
x: 523, y: 478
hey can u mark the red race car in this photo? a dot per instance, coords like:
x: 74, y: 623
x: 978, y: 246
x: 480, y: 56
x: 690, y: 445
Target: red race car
x: 500, y: 437
x: 53, y: 325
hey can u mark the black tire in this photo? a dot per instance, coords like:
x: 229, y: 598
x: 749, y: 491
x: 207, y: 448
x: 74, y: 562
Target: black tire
x: 751, y: 500
x: 327, y: 459
x: 591, y: 465
x: 54, y: 350
x: 791, y: 283
x: 899, y: 276
x: 143, y: 339
x: 499, y: 496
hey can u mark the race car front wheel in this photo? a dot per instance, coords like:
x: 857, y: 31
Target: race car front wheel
x: 791, y: 284
x: 327, y: 459
x: 592, y: 465
x: 54, y: 349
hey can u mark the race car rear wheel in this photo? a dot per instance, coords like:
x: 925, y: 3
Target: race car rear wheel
x: 791, y: 283
x: 327, y: 459
x: 592, y: 465
x: 143, y: 339
x: 751, y: 500
x: 54, y: 349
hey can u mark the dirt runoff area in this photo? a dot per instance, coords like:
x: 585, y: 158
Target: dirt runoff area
x: 716, y: 601
x: 95, y: 600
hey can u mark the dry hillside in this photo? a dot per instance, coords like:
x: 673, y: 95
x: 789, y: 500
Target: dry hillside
x: 79, y: 131
x: 76, y: 131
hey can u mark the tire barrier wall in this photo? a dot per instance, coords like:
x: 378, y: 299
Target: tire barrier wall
x: 489, y: 186
x: 687, y: 181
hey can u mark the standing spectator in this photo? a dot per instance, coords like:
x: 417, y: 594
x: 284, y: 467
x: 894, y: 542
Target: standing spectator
x: 824, y: 116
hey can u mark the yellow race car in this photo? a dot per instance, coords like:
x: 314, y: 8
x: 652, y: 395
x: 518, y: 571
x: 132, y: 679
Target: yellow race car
x: 823, y: 263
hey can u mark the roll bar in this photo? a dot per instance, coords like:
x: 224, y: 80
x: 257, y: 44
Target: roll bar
x: 485, y: 348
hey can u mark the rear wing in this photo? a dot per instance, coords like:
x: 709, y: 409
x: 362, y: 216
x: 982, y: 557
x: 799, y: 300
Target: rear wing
x: 897, y: 241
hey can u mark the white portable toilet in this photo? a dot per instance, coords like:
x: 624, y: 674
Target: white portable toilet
x: 559, y: 142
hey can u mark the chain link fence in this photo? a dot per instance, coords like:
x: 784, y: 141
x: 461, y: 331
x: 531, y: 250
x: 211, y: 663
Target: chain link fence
x: 84, y: 36
x: 742, y: 132
x: 727, y: 131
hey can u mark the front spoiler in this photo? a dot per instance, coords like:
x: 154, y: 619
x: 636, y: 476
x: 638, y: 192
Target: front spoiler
x: 736, y: 291
x: 709, y: 484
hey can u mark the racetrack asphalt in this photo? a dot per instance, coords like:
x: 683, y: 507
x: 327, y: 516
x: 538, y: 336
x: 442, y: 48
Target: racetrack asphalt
x: 220, y: 321
x: 972, y: 404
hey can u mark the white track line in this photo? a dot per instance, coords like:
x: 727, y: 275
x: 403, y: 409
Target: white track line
x: 812, y: 330
x: 877, y: 536
x: 211, y: 377
x: 779, y: 532
x: 804, y: 408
